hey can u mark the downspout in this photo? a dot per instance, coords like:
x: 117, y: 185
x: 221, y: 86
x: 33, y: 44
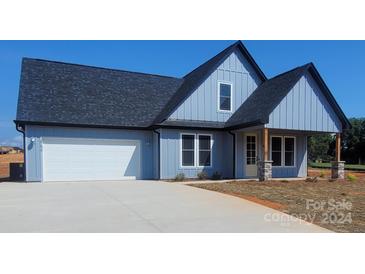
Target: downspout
x: 234, y: 153
x: 22, y: 131
x: 158, y: 153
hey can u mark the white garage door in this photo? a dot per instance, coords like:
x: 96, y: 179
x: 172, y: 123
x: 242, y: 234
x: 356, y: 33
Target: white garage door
x: 90, y: 159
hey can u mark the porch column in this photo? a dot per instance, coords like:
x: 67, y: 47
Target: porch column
x: 338, y: 166
x: 265, y: 165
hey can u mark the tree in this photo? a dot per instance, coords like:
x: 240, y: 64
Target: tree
x: 319, y: 148
x: 353, y: 144
x: 322, y: 147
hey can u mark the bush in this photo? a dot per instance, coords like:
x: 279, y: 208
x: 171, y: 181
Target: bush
x: 216, y: 176
x: 180, y: 177
x: 202, y: 175
x: 322, y: 174
x: 312, y: 179
x: 351, y: 177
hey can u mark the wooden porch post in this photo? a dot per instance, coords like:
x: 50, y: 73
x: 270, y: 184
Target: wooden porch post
x: 338, y: 147
x: 338, y: 166
x: 266, y: 144
x: 265, y: 166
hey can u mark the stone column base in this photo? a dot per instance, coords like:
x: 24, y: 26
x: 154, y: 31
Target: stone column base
x: 338, y: 170
x: 265, y: 170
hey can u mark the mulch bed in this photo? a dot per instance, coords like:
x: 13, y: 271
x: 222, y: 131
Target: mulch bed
x: 338, y: 206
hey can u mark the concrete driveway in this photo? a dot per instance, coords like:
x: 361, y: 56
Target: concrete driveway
x: 134, y: 206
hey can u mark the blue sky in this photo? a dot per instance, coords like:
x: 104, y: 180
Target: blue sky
x: 341, y: 64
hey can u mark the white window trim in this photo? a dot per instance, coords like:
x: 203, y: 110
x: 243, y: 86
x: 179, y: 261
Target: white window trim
x: 283, y: 151
x: 181, y: 150
x: 196, y: 150
x: 219, y: 97
x: 211, y: 149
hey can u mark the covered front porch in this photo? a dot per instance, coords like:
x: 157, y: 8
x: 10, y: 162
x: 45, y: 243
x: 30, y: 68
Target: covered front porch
x: 267, y: 153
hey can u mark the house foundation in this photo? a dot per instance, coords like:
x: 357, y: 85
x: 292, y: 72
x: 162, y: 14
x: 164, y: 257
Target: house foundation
x: 338, y: 170
x: 265, y: 170
x: 338, y: 166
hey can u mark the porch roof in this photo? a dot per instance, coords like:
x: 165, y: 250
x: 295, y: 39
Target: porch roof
x: 262, y: 102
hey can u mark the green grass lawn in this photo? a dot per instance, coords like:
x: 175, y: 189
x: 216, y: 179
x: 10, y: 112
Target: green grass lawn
x: 347, y: 167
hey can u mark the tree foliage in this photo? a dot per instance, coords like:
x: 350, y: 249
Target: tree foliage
x: 353, y: 144
x: 322, y: 147
x: 319, y: 148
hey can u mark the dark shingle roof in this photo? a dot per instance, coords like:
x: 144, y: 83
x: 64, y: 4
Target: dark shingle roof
x: 265, y: 98
x: 69, y: 94
x: 259, y: 105
x: 54, y: 92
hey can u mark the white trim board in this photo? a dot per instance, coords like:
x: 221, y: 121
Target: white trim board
x: 196, y: 150
x: 79, y: 159
x: 218, y: 97
x: 283, y: 137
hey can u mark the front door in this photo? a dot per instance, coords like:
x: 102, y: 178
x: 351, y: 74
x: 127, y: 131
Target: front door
x: 251, y: 155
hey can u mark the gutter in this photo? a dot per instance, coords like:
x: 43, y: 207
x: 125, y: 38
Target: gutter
x: 21, y: 129
x: 158, y: 154
x: 234, y: 153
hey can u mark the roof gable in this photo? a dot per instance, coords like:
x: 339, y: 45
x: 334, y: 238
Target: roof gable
x: 258, y: 107
x: 202, y: 103
x: 305, y: 108
x: 193, y: 79
x: 327, y: 93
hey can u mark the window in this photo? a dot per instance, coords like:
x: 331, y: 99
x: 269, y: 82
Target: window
x: 289, y: 151
x: 283, y: 151
x: 225, y: 97
x: 205, y: 150
x: 188, y: 150
x: 251, y: 150
x: 276, y: 151
x: 196, y: 150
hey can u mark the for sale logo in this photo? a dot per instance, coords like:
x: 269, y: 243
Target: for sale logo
x: 334, y: 212
x: 326, y: 212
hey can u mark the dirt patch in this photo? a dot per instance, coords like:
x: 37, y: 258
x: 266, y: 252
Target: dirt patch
x: 6, y: 159
x: 254, y: 199
x: 326, y: 173
x: 338, y: 206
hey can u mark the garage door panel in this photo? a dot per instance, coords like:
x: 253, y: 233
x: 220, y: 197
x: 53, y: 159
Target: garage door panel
x: 85, y: 159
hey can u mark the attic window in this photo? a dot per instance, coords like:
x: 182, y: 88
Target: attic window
x: 224, y: 97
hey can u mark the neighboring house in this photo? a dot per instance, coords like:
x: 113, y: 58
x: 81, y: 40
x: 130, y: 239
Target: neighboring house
x: 10, y: 150
x: 88, y: 123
